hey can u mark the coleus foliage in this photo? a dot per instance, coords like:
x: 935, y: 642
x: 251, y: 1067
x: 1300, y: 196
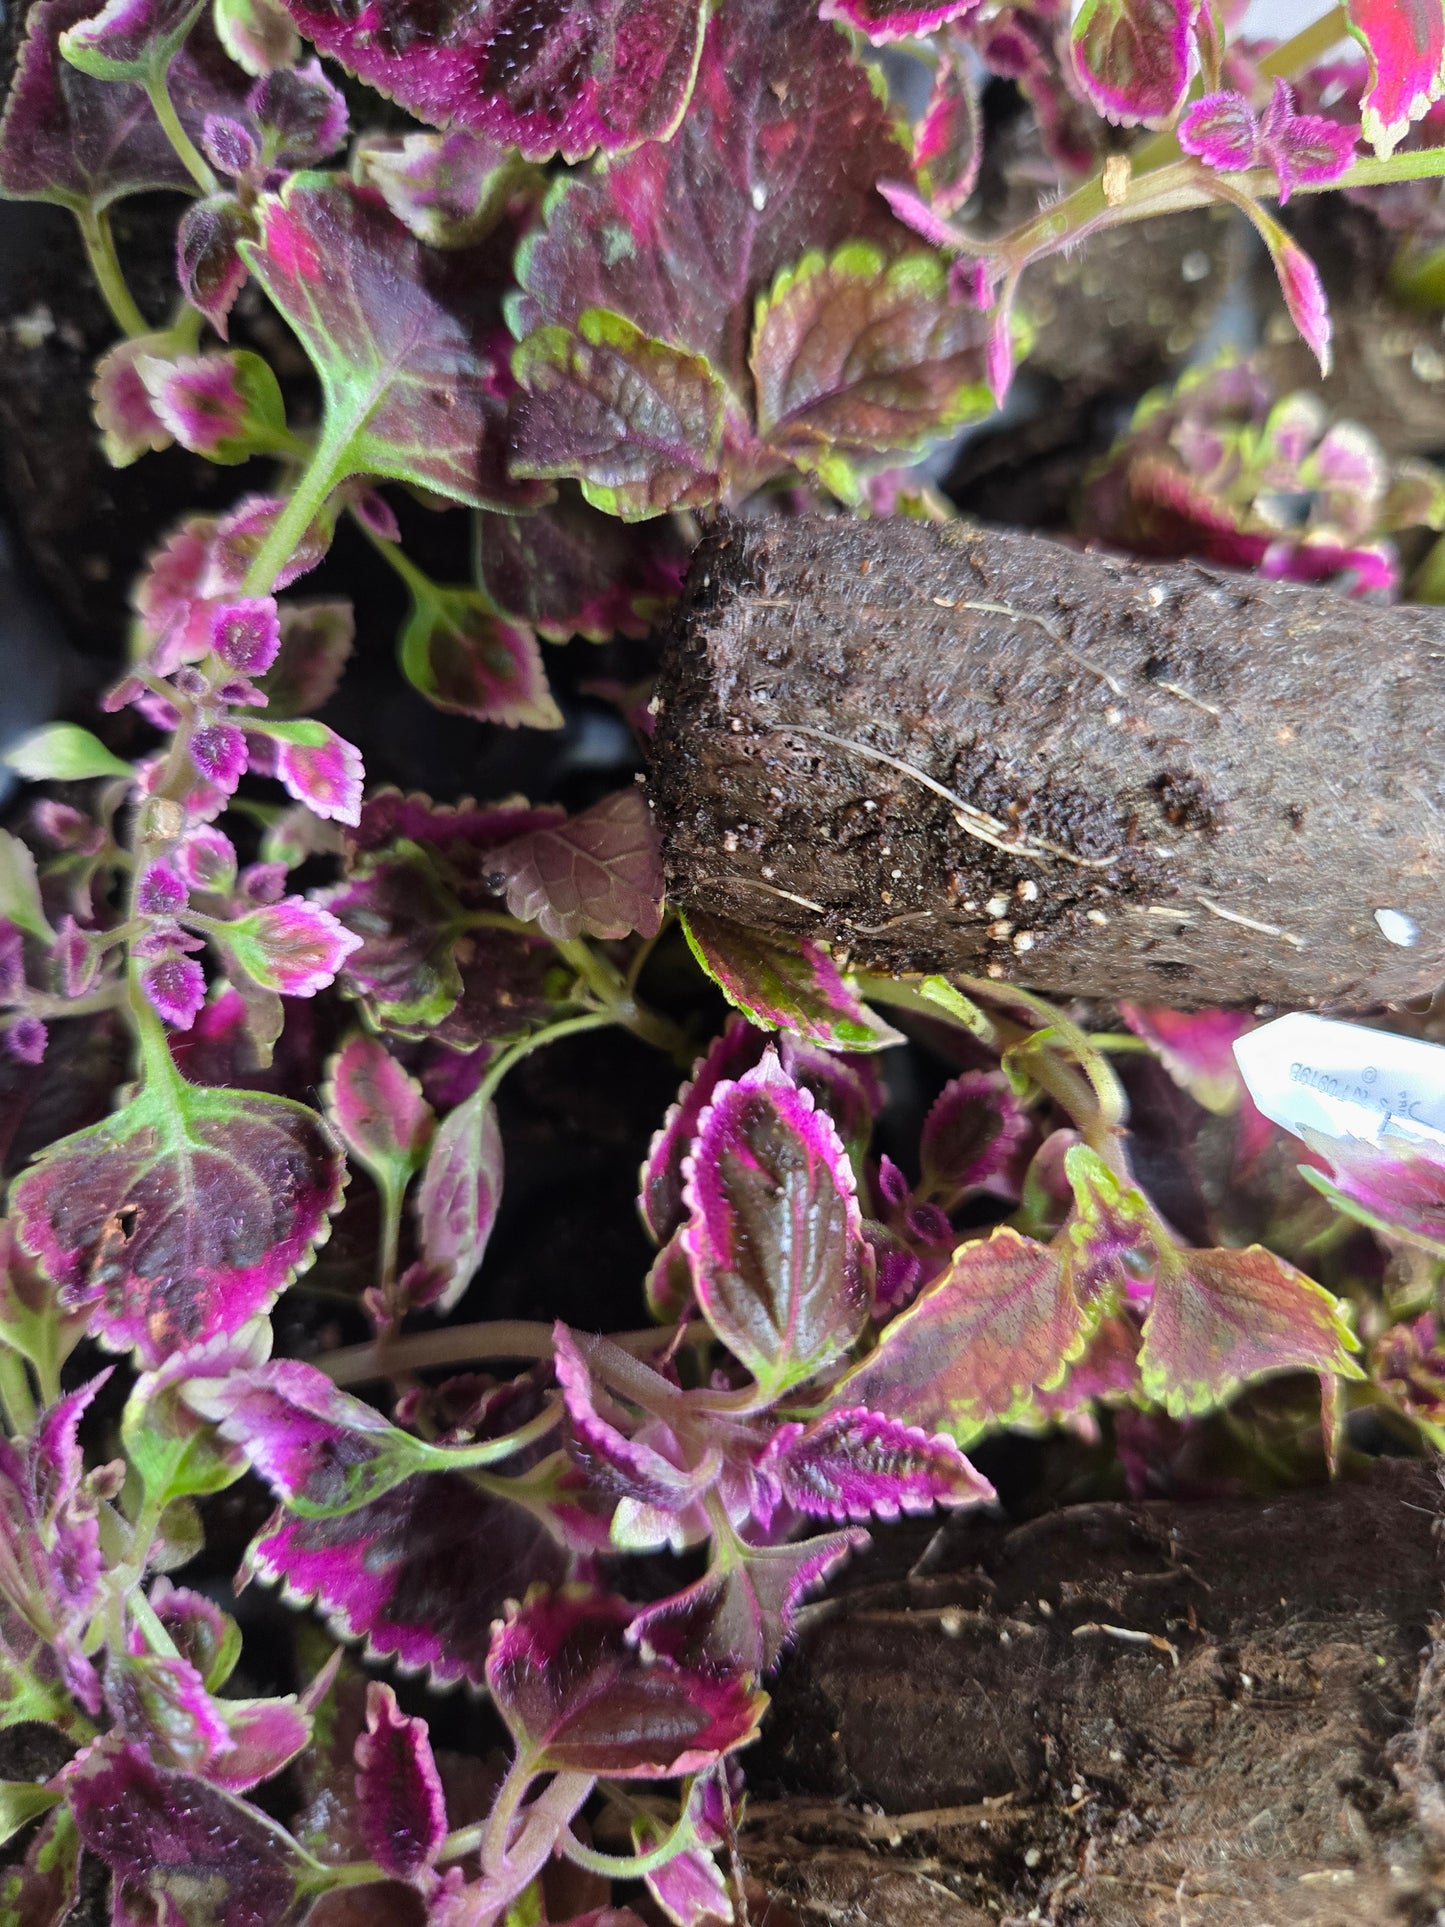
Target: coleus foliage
x: 721, y: 302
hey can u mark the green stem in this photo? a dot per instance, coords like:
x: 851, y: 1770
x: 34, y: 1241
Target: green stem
x: 100, y: 251
x: 16, y: 1397
x: 568, y: 1027
x: 627, y: 1866
x: 315, y: 483
x: 193, y: 161
x: 505, y: 1338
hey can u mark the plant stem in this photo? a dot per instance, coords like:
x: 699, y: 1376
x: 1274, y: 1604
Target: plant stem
x: 317, y: 479
x: 194, y: 162
x: 610, y: 987
x: 16, y: 1397
x: 95, y: 231
x: 627, y: 1866
x: 468, y: 1344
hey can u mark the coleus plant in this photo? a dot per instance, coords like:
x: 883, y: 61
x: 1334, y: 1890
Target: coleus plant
x: 633, y: 262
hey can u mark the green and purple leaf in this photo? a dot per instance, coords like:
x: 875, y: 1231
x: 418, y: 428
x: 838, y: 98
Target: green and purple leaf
x: 774, y: 1237
x: 857, y: 1464
x: 180, y: 1850
x: 379, y: 1112
x: 226, y: 407
x: 1396, y: 1187
x: 181, y: 1216
x: 598, y: 874
x: 398, y: 334
x: 400, y: 1806
x: 1404, y: 43
x: 976, y: 1137
x: 608, y: 74
x: 130, y: 39
x: 948, y: 141
x: 208, y: 263
x: 741, y: 1612
x: 463, y: 657
x: 450, y: 190
x: 1002, y: 1324
x: 316, y: 766
x: 458, y: 1197
x: 578, y: 1697
x: 567, y: 569
x: 293, y: 947
x: 418, y: 1574
x: 1132, y: 56
x: 733, y: 1051
x: 1222, y: 1318
x: 316, y: 643
x: 784, y: 983
x: 883, y: 20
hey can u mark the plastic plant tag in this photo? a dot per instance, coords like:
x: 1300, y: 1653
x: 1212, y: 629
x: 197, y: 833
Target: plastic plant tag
x: 1344, y: 1080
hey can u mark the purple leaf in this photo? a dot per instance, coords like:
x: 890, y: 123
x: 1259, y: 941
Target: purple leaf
x: 261, y: 1737
x: 294, y: 947
x: 130, y: 39
x: 207, y: 1637
x: 317, y: 767
x: 160, y: 891
x: 379, y: 1111
x: 1404, y: 42
x: 418, y: 1574
x: 319, y: 1449
x: 741, y: 1612
x: 1114, y: 1245
x: 183, y: 1214
x: 226, y: 407
x: 1196, y: 1048
x: 463, y: 657
x: 624, y: 1467
x: 181, y: 1850
x: 457, y: 1199
x: 882, y: 20
x: 856, y: 1464
x: 784, y: 983
x: 948, y: 141
x: 450, y: 190
x: 69, y: 138
x: 1221, y: 1318
x: 1395, y: 1187
x: 397, y: 333
x: 42, y: 1890
x: 780, y: 1268
x: 301, y: 117
x: 125, y: 413
x: 218, y: 751
x: 1132, y: 56
x: 229, y: 145
x: 735, y: 1050
x: 690, y: 1888
x: 1002, y: 1323
x: 399, y: 1800
x: 975, y: 1138
x: 175, y: 987
x: 578, y: 1698
x: 1222, y: 130
x: 246, y: 634
x: 208, y: 264
x: 598, y: 874
x: 1107, y: 1374
x: 316, y: 643
x: 158, y: 1702
x: 855, y: 356
x: 567, y: 569
x: 1299, y: 283
x: 606, y: 75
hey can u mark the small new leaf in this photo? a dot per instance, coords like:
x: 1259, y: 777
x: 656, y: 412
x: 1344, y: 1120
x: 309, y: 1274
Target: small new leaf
x: 784, y: 983
x: 463, y: 657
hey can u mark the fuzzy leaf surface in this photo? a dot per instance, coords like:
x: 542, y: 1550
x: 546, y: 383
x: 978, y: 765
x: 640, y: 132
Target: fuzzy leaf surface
x: 774, y: 1236
x: 784, y: 983
x: 183, y: 1214
x: 397, y: 333
x: 856, y: 1464
x: 1000, y: 1324
x: 399, y: 1801
x: 459, y: 1195
x: 606, y: 73
x: 1132, y: 56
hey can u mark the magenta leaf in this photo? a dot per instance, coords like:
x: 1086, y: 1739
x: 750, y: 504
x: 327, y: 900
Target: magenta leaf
x: 741, y: 1612
x: 299, y: 115
x: 397, y: 333
x: 246, y: 633
x: 566, y: 569
x: 598, y: 874
x: 579, y: 1698
x: 125, y: 414
x: 68, y: 138
x: 159, y: 1702
x: 1404, y: 42
x: 1114, y: 1245
x: 883, y: 20
x: 1106, y: 1374
x: 183, y: 1214
x: 450, y: 190
x: 201, y: 1632
x: 399, y: 1800
x: 1132, y: 56
x: 948, y: 141
x: 1395, y: 1187
x: 1002, y: 1323
x: 974, y: 1138
x: 856, y: 1464
x: 457, y: 1199
x: 175, y: 987
x: 379, y: 1112
x: 293, y: 947
x: 208, y: 264
x: 130, y: 39
x: 1299, y: 282
x: 463, y: 657
x: 1222, y: 130
x: 775, y: 1241
x: 174, y: 1452
x: 690, y: 1888
x: 181, y: 1850
x: 418, y: 1574
x: 609, y: 74
x: 317, y: 767
x: 1220, y: 1318
x: 736, y: 1049
x: 784, y: 983
x: 856, y: 356
x: 226, y: 407
x: 627, y: 1468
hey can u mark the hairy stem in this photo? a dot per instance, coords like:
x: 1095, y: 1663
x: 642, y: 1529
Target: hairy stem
x: 95, y: 231
x: 16, y: 1398
x: 315, y: 483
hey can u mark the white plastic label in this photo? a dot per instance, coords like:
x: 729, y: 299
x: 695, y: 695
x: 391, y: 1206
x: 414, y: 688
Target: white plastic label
x: 1344, y: 1080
